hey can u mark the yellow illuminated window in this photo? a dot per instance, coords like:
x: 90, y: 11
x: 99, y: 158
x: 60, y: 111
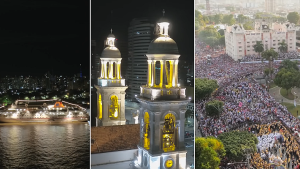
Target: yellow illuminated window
x: 114, y: 107
x: 168, y: 133
x: 100, y: 106
x: 146, y: 131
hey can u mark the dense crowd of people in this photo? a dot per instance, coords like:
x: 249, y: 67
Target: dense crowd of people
x: 246, y: 103
x: 281, y: 56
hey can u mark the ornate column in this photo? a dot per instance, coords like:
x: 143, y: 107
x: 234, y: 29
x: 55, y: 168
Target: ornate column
x: 153, y: 73
x: 171, y: 73
x: 165, y: 82
x: 149, y: 73
x: 101, y: 70
x: 161, y: 74
x: 166, y: 29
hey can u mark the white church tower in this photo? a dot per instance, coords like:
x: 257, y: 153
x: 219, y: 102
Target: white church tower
x: 111, y: 87
x: 162, y: 107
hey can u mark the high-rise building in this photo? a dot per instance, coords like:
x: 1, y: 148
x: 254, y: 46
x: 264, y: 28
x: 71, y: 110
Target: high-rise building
x: 270, y: 6
x: 163, y: 105
x: 239, y: 42
x: 95, y: 60
x: 140, y: 34
x: 110, y: 87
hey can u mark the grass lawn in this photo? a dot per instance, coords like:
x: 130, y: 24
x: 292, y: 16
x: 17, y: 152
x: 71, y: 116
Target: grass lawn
x: 289, y: 96
x: 292, y: 109
x: 272, y: 85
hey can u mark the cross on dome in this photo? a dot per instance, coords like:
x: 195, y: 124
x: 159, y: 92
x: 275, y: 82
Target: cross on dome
x: 163, y: 12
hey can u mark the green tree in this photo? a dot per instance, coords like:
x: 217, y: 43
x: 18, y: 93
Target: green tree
x: 204, y: 88
x: 258, y: 16
x: 199, y: 21
x: 288, y: 64
x: 221, y: 32
x: 293, y: 17
x: 218, y: 18
x: 287, y: 79
x: 248, y: 26
x: 214, y: 108
x: 235, y: 144
x: 258, y: 47
x: 283, y: 46
x: 270, y: 55
x: 228, y: 19
x: 6, y: 99
x: 267, y: 71
x: 242, y: 18
x: 222, y: 40
x: 208, y: 152
x: 210, y: 36
x: 212, y: 41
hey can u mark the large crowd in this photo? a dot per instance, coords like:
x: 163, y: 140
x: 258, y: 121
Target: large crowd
x: 246, y: 103
x: 281, y: 56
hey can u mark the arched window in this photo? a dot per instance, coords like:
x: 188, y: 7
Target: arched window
x: 114, y: 107
x: 100, y: 106
x: 146, y: 131
x: 168, y: 133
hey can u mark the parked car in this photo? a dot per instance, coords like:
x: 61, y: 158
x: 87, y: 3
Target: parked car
x: 188, y: 145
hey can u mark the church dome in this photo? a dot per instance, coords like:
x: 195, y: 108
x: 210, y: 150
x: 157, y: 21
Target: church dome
x: 163, y: 45
x: 111, y: 35
x: 111, y: 52
x: 163, y: 19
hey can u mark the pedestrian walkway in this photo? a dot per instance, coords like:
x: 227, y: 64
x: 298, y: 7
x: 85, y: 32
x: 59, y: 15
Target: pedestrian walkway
x: 275, y: 93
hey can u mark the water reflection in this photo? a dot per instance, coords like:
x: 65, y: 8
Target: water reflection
x: 45, y: 146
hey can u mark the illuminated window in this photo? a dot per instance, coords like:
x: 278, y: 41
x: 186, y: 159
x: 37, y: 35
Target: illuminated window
x: 100, y: 106
x: 168, y: 133
x: 146, y: 131
x: 114, y: 108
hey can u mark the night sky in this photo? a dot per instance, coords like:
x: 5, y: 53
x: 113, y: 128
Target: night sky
x: 39, y: 36
x: 179, y: 13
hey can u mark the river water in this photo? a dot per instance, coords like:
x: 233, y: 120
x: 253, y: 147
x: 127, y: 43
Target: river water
x: 45, y: 146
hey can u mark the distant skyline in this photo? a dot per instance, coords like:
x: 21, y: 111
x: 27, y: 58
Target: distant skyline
x: 180, y: 15
x: 41, y: 36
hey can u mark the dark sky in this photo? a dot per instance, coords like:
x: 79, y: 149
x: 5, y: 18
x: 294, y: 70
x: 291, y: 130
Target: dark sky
x: 39, y: 36
x: 180, y: 14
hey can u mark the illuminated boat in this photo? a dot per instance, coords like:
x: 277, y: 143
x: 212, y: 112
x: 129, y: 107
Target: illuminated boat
x: 43, y: 111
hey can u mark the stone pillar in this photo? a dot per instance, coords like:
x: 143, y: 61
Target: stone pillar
x: 153, y: 73
x: 155, y: 143
x: 181, y: 129
x: 166, y: 29
x: 171, y: 73
x: 165, y: 82
x: 122, y: 113
x: 149, y: 73
x: 161, y: 74
x: 105, y: 70
x: 161, y: 29
x: 119, y: 70
x: 105, y: 106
